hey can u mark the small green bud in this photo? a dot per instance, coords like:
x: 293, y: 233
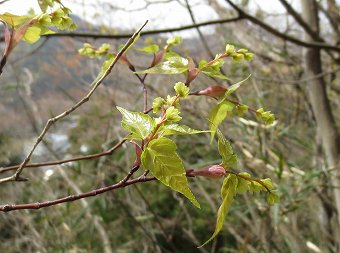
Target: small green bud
x: 58, y: 13
x: 229, y: 49
x: 172, y: 114
x: 242, y: 51
x: 273, y: 197
x: 238, y: 57
x: 181, y: 89
x: 249, y: 56
x: 157, y: 104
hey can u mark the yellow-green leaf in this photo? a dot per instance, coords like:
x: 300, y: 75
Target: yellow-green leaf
x: 161, y: 159
x: 138, y: 123
x: 217, y: 115
x: 228, y: 192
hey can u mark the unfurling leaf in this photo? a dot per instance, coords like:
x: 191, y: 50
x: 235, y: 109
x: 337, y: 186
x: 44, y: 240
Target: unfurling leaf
x: 217, y: 115
x: 226, y: 151
x: 181, y: 89
x: 213, y: 70
x: 158, y: 104
x: 266, y: 117
x: 228, y: 192
x: 139, y: 124
x: 172, y: 114
x: 161, y: 159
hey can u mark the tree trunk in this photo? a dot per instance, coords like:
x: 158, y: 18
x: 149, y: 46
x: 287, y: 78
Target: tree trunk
x: 326, y: 129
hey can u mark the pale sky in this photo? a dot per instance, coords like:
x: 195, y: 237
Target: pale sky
x: 163, y: 15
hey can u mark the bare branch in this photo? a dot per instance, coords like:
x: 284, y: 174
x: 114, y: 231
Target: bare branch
x: 125, y: 36
x: 300, y: 20
x: 74, y: 159
x: 51, y: 121
x: 281, y: 35
x: 38, y: 205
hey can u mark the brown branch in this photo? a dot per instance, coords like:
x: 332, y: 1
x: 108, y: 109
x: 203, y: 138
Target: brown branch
x: 300, y: 21
x: 124, y: 36
x: 38, y: 205
x: 281, y: 35
x: 74, y: 159
x: 51, y: 121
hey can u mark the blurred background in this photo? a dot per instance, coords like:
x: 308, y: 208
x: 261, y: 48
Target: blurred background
x: 295, y: 74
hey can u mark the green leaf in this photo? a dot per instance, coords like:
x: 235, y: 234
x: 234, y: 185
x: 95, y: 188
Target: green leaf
x: 14, y: 20
x: 181, y: 89
x: 151, y: 49
x: 161, y: 159
x: 230, y: 49
x: 228, y: 192
x: 217, y: 115
x: 226, y: 151
x: 178, y: 129
x: 235, y: 86
x: 173, y: 65
x: 174, y: 41
x: 139, y: 124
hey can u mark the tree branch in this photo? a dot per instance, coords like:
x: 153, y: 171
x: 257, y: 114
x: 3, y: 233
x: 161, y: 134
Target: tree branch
x: 300, y: 21
x: 74, y: 159
x: 38, y: 205
x: 125, y: 36
x: 281, y: 35
x: 51, y: 121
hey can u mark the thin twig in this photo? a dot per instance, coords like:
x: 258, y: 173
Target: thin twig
x: 38, y: 205
x: 281, y: 35
x: 51, y: 121
x: 74, y: 159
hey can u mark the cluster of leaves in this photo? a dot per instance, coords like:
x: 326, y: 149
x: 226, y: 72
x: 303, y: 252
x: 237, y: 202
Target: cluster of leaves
x: 32, y: 26
x: 157, y: 153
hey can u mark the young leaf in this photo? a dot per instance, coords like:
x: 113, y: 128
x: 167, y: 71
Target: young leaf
x: 217, y: 115
x: 173, y: 65
x: 172, y: 114
x: 178, y: 129
x: 181, y: 89
x: 226, y: 151
x: 213, y: 70
x: 157, y: 104
x: 139, y: 124
x: 161, y: 159
x: 228, y: 192
x: 151, y: 49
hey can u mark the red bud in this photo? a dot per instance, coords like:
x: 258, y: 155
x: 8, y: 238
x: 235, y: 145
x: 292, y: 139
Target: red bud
x: 192, y: 74
x: 213, y: 171
x: 158, y: 58
x: 212, y: 91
